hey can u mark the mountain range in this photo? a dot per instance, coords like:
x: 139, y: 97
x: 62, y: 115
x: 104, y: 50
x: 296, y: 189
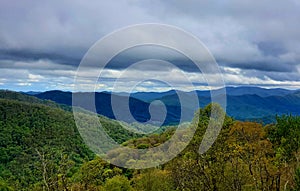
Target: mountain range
x: 243, y: 103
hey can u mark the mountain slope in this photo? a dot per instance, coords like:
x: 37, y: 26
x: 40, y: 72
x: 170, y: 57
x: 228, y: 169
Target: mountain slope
x: 23, y: 97
x: 33, y: 134
x: 230, y: 91
x: 29, y: 131
x: 150, y: 96
x: 243, y: 103
x: 139, y: 109
x: 262, y: 92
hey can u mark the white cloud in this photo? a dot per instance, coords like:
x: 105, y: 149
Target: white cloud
x: 24, y: 84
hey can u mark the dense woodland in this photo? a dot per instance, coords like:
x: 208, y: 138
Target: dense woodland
x: 41, y: 149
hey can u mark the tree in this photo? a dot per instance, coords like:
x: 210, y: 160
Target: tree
x: 117, y: 183
x: 153, y: 180
x: 249, y: 143
x: 4, y: 186
x: 285, y: 136
x: 194, y: 171
x: 93, y: 174
x: 297, y: 179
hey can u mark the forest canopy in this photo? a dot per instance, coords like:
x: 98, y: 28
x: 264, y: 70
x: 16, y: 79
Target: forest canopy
x: 41, y: 149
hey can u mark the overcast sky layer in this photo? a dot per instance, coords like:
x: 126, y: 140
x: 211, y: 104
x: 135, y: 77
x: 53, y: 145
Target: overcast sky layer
x: 255, y: 43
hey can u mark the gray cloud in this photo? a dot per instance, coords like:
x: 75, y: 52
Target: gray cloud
x: 259, y: 38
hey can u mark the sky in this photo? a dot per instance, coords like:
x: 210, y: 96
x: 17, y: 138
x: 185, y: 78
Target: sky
x: 255, y: 43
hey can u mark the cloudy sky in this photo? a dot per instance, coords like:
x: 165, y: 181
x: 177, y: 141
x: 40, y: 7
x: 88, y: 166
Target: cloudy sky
x: 254, y: 42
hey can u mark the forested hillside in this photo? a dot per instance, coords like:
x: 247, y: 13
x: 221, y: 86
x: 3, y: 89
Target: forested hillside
x: 41, y: 149
x: 39, y: 141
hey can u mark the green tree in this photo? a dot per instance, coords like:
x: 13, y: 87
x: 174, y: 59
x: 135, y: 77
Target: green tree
x: 4, y: 186
x: 153, y: 180
x: 117, y: 183
x: 194, y: 171
x: 93, y: 174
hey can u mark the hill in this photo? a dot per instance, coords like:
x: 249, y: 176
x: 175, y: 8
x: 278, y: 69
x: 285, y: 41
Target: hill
x: 31, y: 133
x: 35, y: 134
x: 24, y: 97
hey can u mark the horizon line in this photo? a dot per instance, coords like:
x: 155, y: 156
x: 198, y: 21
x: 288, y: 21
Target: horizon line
x: 151, y: 91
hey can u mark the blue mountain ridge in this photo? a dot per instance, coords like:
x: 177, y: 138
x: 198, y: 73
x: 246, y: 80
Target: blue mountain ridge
x: 243, y: 103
